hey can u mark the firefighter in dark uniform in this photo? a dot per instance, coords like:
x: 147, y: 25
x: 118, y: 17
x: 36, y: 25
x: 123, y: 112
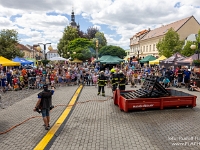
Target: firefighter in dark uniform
x: 101, y: 83
x: 122, y: 81
x: 114, y: 80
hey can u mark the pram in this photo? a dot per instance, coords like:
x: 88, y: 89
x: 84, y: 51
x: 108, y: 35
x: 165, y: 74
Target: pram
x: 175, y: 84
x: 31, y: 83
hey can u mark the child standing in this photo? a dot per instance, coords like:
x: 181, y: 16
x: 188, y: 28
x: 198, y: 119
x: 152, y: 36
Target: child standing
x: 94, y: 78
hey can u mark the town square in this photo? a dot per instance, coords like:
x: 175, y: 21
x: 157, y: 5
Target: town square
x: 100, y: 75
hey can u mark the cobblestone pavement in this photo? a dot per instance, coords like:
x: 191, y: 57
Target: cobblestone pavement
x: 99, y: 124
x: 11, y: 97
x: 102, y: 126
x: 27, y: 135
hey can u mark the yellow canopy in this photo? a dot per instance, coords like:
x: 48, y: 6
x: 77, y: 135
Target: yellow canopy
x: 7, y: 62
x: 76, y: 61
x: 156, y: 62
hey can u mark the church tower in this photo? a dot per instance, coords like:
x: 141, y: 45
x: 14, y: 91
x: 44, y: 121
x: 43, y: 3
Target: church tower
x: 73, y: 22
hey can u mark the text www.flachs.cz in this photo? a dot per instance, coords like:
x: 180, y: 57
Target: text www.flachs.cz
x: 186, y: 144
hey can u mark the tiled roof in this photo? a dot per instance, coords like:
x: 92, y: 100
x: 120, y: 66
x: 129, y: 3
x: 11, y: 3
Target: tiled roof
x: 162, y: 30
x: 31, y: 47
x: 140, y: 33
x: 53, y: 51
x: 22, y: 47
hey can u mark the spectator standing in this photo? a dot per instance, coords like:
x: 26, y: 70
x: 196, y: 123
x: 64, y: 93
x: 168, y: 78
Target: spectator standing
x: 94, y: 78
x: 187, y: 74
x: 180, y: 77
x: 9, y: 77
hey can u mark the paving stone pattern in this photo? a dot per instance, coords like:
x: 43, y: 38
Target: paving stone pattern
x: 27, y: 135
x: 100, y: 125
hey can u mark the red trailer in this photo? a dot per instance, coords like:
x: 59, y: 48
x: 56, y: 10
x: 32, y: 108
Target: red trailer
x: 175, y: 100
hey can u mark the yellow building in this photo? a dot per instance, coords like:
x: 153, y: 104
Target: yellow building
x: 134, y: 42
x: 127, y: 55
x: 25, y: 50
x: 185, y: 27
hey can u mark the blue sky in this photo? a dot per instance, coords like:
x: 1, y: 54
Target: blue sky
x: 39, y: 21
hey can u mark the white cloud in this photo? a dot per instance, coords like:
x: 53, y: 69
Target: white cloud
x: 124, y: 17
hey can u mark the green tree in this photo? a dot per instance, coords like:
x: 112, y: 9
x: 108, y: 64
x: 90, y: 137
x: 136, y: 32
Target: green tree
x: 101, y: 39
x: 187, y: 51
x: 170, y: 44
x: 197, y: 41
x: 8, y: 44
x: 113, y: 51
x: 69, y: 34
x: 84, y: 49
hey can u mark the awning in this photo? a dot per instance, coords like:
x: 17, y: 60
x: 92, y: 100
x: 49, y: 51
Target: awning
x: 7, y: 62
x: 108, y: 59
x: 57, y: 58
x: 156, y: 62
x: 76, y: 61
x: 147, y: 59
x: 23, y: 61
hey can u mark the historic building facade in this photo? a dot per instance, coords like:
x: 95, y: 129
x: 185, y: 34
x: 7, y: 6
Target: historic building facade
x: 27, y: 52
x: 134, y: 42
x: 185, y: 27
x: 52, y: 53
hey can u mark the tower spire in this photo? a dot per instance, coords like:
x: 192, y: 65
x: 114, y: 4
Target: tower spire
x: 72, y: 15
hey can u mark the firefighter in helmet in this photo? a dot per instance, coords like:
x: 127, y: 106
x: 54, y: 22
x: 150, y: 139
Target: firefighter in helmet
x: 101, y: 83
x: 114, y: 80
x: 122, y: 80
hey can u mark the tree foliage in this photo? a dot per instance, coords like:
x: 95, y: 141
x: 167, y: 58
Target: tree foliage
x: 91, y: 31
x: 101, y: 39
x: 187, y: 51
x: 81, y: 34
x: 170, y: 44
x: 84, y: 49
x: 8, y: 44
x: 197, y: 40
x: 69, y: 34
x: 113, y: 51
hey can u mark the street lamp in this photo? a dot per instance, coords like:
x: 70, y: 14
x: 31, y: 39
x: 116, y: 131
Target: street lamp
x: 70, y: 54
x: 193, y: 47
x: 39, y: 48
x: 97, y: 46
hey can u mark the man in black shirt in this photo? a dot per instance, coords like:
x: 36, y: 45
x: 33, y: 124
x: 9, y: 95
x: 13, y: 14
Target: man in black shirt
x: 180, y: 77
x: 45, y: 103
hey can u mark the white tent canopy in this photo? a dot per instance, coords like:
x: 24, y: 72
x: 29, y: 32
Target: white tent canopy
x: 57, y: 58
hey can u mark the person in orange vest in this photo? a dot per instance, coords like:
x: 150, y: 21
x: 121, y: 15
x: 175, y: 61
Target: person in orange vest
x: 24, y: 72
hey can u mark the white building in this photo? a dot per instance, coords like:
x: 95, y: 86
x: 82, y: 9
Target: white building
x: 51, y: 54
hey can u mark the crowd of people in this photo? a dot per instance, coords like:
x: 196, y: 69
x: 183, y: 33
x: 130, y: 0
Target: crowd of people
x: 88, y: 74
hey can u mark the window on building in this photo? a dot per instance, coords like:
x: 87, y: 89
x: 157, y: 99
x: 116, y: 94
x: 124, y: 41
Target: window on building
x: 146, y: 48
x: 153, y: 47
x: 150, y: 48
x: 143, y: 48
